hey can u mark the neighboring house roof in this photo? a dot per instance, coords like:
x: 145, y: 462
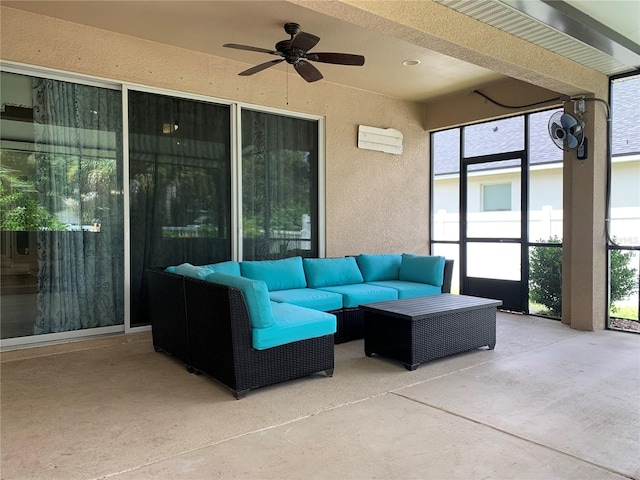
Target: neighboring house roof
x: 507, y: 134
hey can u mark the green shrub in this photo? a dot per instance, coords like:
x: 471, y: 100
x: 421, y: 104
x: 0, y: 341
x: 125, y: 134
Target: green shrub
x: 545, y: 276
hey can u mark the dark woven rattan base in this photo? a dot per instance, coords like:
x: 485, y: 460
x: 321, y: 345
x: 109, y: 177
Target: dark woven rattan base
x: 416, y: 340
x: 213, y: 336
x: 350, y: 324
x: 168, y: 314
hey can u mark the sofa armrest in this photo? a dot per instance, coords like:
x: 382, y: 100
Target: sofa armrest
x: 167, y: 312
x: 448, y: 274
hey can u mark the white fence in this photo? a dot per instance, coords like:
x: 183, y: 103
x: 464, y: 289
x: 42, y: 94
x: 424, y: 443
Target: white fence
x: 543, y: 225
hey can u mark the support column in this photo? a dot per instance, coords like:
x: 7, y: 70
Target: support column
x: 584, y: 292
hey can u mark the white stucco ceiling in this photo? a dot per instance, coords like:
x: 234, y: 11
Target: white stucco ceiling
x: 205, y: 26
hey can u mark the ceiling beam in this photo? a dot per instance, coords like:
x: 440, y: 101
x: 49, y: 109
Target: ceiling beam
x: 571, y: 21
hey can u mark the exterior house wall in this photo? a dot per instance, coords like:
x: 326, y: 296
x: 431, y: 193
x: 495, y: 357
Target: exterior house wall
x: 545, y: 202
x: 369, y: 195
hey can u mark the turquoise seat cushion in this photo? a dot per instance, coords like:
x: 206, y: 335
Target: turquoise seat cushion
x: 379, y: 266
x: 256, y: 297
x: 283, y: 274
x: 410, y: 289
x: 358, y: 294
x: 328, y: 272
x: 188, y: 270
x: 291, y: 324
x: 422, y: 269
x: 309, y: 298
x: 230, y: 268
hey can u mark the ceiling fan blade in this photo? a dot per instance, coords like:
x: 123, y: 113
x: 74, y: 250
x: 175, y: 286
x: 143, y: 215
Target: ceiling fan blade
x: 259, y: 68
x: 304, y: 41
x: 307, y: 71
x: 337, y: 58
x: 251, y: 49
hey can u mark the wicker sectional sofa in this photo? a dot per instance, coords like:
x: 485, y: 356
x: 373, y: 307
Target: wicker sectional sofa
x: 256, y: 323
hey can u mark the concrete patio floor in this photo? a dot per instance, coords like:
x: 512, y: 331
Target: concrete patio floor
x: 548, y: 402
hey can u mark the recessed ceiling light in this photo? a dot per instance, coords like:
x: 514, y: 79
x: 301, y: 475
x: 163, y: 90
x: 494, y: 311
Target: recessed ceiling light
x: 410, y: 63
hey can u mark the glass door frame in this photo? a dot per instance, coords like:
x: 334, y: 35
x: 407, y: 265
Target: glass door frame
x: 519, y: 294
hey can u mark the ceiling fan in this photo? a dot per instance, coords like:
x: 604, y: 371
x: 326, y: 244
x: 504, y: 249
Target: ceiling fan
x: 295, y: 51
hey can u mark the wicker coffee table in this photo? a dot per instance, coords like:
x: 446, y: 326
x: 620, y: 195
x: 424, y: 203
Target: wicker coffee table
x: 416, y: 330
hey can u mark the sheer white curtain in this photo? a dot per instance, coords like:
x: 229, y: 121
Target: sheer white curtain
x: 180, y: 187
x: 78, y: 150
x: 279, y: 186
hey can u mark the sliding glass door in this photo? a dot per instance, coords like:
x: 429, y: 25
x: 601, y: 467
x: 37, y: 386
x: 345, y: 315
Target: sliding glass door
x: 92, y: 196
x: 279, y: 186
x: 61, y: 215
x: 179, y: 185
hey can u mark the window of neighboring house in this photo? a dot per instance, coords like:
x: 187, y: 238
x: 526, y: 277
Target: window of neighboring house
x: 496, y: 197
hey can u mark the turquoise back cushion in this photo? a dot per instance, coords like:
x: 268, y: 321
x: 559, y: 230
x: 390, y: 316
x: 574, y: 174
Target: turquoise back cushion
x: 422, y: 269
x: 379, y: 267
x: 189, y: 270
x: 329, y: 272
x: 282, y: 274
x: 255, y: 293
x: 230, y: 268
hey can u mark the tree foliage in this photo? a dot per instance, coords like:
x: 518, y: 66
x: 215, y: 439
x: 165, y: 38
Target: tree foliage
x: 19, y: 209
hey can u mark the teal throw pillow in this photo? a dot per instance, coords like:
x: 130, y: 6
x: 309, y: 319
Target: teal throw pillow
x: 330, y: 272
x: 284, y: 274
x: 255, y: 293
x: 379, y: 267
x: 194, y: 271
x: 422, y: 269
x: 231, y: 267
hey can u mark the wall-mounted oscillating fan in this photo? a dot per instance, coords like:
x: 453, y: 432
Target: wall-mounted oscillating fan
x: 566, y: 131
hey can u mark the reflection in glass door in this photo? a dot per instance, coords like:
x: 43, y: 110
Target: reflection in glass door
x: 180, y: 187
x: 61, y: 210
x: 493, y: 228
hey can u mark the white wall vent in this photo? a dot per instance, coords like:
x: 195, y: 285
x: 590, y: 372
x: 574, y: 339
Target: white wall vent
x: 388, y: 140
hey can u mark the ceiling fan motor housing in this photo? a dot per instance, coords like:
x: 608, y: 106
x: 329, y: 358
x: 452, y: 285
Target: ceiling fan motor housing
x: 291, y: 55
x: 292, y: 28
